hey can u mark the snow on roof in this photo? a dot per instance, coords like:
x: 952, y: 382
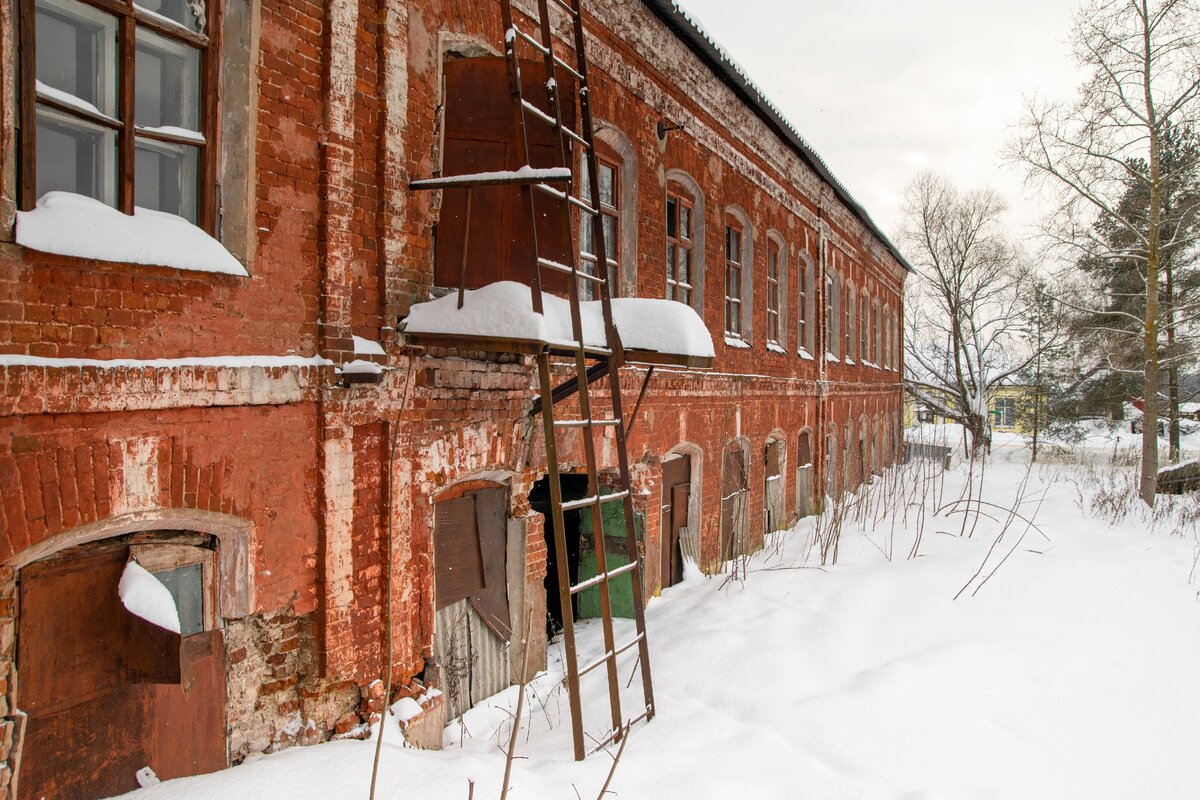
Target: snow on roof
x: 69, y: 224
x: 688, y: 27
x: 505, y: 310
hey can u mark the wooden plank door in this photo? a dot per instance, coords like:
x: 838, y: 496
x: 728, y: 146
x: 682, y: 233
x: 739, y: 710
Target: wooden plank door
x: 735, y: 489
x: 675, y: 496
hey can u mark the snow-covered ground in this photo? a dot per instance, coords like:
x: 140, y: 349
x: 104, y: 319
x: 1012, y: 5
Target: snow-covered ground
x: 1072, y: 672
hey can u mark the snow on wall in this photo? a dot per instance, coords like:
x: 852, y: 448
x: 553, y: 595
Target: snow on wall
x: 69, y: 224
x: 505, y: 310
x: 145, y: 596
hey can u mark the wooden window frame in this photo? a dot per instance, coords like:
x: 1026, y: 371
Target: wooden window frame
x: 864, y: 327
x: 774, y: 258
x: 130, y: 17
x: 682, y: 291
x: 734, y: 268
x: 803, y: 290
x: 588, y: 289
x: 160, y: 557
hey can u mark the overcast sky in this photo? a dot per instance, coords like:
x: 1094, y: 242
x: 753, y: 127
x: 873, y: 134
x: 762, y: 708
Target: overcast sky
x: 883, y: 90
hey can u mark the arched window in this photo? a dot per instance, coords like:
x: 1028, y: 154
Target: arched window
x: 685, y: 240
x: 616, y: 164
x: 777, y: 290
x: 739, y: 274
x: 804, y: 473
x: 833, y: 315
x: 805, y: 321
x: 851, y: 310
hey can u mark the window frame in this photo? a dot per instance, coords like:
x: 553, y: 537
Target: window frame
x: 612, y: 255
x: 775, y: 263
x: 130, y: 17
x: 732, y: 265
x: 681, y: 243
x: 159, y: 557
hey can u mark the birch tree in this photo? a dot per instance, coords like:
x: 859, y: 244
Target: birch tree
x: 966, y: 315
x: 1143, y: 65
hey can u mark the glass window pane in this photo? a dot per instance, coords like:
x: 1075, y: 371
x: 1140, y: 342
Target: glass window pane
x: 75, y: 156
x: 685, y: 222
x: 587, y: 236
x: 167, y: 83
x: 671, y: 217
x: 186, y: 585
x: 188, y: 13
x: 671, y: 275
x: 610, y: 237
x: 683, y: 270
x: 77, y: 52
x: 608, y: 182
x: 167, y: 178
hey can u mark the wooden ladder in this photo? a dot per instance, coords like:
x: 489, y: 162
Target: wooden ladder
x: 591, y: 361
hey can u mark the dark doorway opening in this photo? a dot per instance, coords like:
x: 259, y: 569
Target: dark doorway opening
x: 574, y: 487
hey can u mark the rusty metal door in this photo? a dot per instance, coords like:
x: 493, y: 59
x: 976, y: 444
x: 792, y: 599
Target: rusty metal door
x: 94, y: 717
x: 675, y: 495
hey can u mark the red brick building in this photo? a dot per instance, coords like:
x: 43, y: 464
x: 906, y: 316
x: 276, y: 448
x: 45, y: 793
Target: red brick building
x: 194, y: 417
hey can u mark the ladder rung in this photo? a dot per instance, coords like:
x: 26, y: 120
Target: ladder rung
x: 612, y: 654
x: 568, y: 68
x: 612, y: 735
x: 532, y: 41
x: 565, y: 270
x: 595, y: 581
x: 570, y: 134
x: 550, y: 190
x: 583, y: 502
x: 567, y: 7
x: 580, y: 423
x: 537, y: 112
x: 575, y: 201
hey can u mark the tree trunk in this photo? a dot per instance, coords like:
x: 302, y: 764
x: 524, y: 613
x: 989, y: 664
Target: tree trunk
x: 1148, y: 485
x: 1172, y: 369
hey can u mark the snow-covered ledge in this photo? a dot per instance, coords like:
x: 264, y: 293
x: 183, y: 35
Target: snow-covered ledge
x: 69, y: 224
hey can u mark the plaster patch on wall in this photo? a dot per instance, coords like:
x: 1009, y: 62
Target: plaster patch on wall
x: 136, y: 488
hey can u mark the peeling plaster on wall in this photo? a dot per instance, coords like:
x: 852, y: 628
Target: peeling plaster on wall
x: 137, y: 489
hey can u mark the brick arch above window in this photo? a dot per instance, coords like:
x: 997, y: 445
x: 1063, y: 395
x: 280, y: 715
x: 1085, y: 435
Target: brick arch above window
x: 684, y: 186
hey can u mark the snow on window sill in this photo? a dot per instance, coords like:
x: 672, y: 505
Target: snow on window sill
x: 803, y: 353
x: 776, y: 347
x: 849, y: 362
x: 734, y: 341
x: 367, y: 347
x: 833, y: 358
x: 68, y: 224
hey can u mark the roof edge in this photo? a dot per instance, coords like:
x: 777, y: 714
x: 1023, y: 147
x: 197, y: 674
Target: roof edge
x: 723, y: 65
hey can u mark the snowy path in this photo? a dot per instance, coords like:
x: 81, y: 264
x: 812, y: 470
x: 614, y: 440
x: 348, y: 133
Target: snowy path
x: 1074, y: 673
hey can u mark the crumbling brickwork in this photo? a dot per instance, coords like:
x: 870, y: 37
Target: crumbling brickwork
x: 138, y: 398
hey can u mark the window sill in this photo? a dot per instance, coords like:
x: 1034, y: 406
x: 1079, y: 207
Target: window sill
x: 68, y: 224
x: 734, y: 341
x: 803, y: 353
x: 776, y: 347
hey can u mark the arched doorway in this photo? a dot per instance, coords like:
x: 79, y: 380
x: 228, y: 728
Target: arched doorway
x: 774, y: 458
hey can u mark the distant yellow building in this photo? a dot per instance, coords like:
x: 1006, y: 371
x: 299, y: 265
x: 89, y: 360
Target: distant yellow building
x: 1007, y: 408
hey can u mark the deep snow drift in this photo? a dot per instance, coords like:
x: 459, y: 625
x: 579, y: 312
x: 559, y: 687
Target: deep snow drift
x: 1071, y: 673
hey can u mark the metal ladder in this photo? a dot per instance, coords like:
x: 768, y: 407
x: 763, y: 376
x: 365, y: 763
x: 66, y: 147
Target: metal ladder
x: 605, y: 358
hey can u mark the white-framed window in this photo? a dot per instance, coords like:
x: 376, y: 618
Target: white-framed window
x: 734, y: 272
x: 680, y: 247
x: 610, y: 219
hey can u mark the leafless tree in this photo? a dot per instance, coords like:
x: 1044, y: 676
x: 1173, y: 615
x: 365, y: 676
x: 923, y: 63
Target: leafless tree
x: 1143, y: 64
x: 966, y: 326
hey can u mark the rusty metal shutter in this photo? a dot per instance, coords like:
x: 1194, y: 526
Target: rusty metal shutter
x: 458, y: 562
x: 491, y: 602
x: 479, y: 137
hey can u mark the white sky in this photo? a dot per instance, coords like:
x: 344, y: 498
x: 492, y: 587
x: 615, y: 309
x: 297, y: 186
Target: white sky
x: 883, y: 90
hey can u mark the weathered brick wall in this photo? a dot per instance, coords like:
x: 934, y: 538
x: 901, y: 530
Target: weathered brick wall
x: 348, y: 110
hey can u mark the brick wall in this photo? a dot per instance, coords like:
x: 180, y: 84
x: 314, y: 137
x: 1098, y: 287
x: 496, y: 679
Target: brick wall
x: 348, y: 110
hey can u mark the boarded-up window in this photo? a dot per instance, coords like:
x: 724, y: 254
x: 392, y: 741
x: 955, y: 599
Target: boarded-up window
x: 735, y: 486
x: 480, y: 137
x: 470, y: 555
x: 803, y: 449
